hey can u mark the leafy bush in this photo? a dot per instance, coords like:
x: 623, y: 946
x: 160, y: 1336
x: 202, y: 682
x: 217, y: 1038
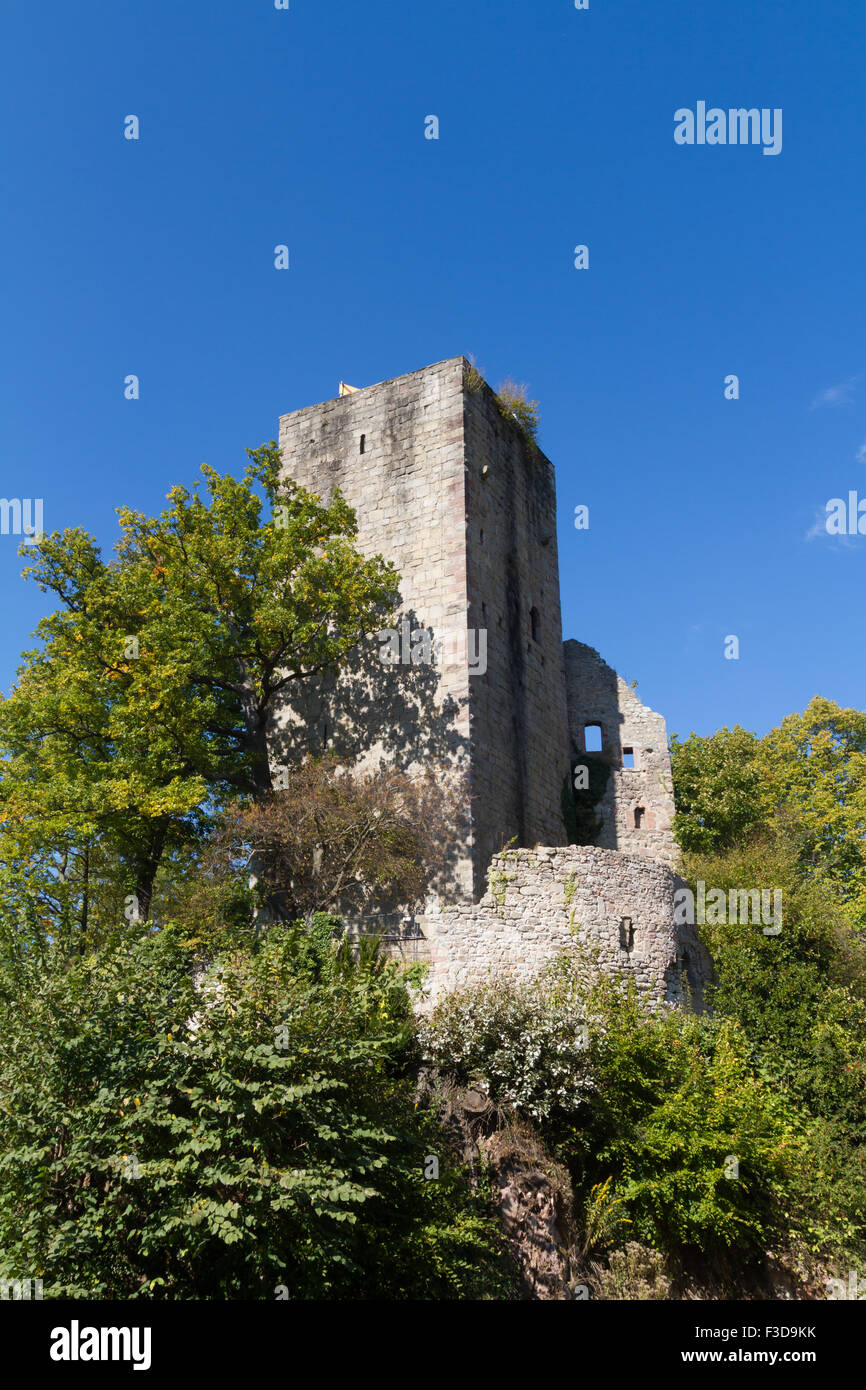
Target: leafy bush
x: 799, y: 997
x: 525, y: 1044
x: 253, y: 1140
x: 647, y: 1116
x: 676, y: 1099
x: 515, y: 404
x: 634, y: 1272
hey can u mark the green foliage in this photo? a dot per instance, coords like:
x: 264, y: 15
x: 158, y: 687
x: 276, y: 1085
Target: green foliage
x: 524, y: 1044
x: 579, y: 804
x: 645, y: 1117
x: 473, y: 381
x: 499, y: 881
x: 514, y: 404
x: 788, y: 812
x: 806, y: 779
x: 815, y: 763
x: 801, y: 999
x: 717, y: 788
x: 604, y: 1218
x: 145, y: 707
x: 257, y: 1136
x: 674, y: 1098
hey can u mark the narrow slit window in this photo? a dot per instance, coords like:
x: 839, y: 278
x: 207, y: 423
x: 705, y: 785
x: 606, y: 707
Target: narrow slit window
x: 535, y: 624
x: 363, y: 443
x: 593, y: 740
x: 628, y: 757
x: 639, y: 814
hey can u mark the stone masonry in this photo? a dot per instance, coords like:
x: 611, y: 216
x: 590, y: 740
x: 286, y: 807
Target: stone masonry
x: 539, y: 903
x: 636, y: 810
x: 446, y: 485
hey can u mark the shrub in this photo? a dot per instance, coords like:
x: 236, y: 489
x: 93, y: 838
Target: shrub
x: 646, y: 1117
x: 676, y: 1099
x: 336, y: 838
x: 634, y: 1272
x: 799, y: 997
x: 255, y: 1137
x: 525, y: 1044
x: 515, y: 404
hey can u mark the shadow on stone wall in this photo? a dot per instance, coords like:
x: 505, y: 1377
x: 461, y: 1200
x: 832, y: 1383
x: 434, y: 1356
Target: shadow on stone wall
x: 373, y: 711
x: 625, y: 807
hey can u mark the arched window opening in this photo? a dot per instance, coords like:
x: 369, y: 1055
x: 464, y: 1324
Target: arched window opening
x: 593, y: 738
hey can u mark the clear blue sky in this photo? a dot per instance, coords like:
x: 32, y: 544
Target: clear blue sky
x: 306, y: 127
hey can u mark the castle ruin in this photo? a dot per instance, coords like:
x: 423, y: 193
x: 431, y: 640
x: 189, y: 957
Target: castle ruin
x: 563, y: 837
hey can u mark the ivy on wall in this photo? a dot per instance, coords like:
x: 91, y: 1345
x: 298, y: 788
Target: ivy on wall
x: 582, y: 820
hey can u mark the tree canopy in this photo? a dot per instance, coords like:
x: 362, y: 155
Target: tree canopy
x: 805, y: 780
x: 148, y: 703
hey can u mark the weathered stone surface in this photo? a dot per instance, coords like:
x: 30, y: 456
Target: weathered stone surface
x: 536, y: 1215
x: 619, y: 907
x: 448, y: 487
x: 475, y: 551
x: 597, y: 695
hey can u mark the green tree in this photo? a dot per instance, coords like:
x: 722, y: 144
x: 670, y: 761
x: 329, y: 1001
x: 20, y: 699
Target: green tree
x: 815, y: 764
x: 677, y: 1099
x: 149, y: 703
x: 718, y: 790
x: 800, y: 998
x: 805, y: 780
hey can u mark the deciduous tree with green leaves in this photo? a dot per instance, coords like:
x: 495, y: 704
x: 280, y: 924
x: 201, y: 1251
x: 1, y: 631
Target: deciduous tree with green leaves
x: 717, y: 788
x: 805, y: 780
x: 815, y: 763
x: 149, y: 701
x: 267, y: 1146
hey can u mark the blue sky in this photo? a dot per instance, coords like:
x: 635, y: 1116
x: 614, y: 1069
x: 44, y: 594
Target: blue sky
x: 306, y: 127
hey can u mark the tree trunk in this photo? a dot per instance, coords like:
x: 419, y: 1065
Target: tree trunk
x: 85, y: 893
x: 146, y: 870
x: 255, y: 718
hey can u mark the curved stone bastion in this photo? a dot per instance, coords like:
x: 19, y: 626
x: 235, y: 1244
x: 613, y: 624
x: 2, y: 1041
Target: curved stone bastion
x: 543, y: 901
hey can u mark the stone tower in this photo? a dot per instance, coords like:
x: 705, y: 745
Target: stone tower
x: 446, y: 485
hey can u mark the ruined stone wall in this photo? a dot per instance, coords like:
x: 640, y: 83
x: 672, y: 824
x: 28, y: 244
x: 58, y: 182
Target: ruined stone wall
x: 395, y: 451
x: 518, y: 720
x: 447, y: 488
x: 542, y: 902
x: 597, y: 695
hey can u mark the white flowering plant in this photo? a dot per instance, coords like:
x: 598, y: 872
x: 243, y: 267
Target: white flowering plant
x: 525, y: 1044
